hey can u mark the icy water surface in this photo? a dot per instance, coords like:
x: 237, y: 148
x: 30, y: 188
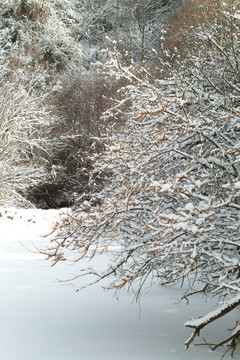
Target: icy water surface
x: 42, y: 320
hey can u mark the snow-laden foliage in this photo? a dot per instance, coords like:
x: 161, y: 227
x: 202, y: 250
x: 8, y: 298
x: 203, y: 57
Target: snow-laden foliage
x: 172, y: 208
x: 58, y: 40
x: 69, y: 33
x: 43, y: 31
x: 23, y: 124
x: 142, y: 25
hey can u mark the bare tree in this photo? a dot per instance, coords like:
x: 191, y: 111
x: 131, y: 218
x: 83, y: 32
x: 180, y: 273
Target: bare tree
x: 149, y: 17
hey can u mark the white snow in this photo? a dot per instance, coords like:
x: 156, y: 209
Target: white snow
x: 237, y: 185
x: 213, y: 314
x: 166, y: 188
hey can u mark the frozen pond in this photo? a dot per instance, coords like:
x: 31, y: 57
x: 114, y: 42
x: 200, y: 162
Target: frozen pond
x: 42, y: 320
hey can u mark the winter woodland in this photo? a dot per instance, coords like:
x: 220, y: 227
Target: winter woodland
x: 128, y: 114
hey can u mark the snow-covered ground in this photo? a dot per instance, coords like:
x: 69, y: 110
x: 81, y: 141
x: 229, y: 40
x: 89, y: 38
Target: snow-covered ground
x: 43, y: 320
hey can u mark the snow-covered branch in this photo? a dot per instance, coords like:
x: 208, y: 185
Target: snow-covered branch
x: 201, y: 322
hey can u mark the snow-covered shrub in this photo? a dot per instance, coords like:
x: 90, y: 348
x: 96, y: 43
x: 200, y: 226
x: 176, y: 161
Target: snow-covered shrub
x: 81, y: 117
x: 44, y: 33
x: 24, y: 120
x: 67, y: 34
x: 194, y: 16
x: 173, y: 205
x: 79, y: 135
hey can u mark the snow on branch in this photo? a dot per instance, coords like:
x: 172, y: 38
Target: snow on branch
x: 201, y: 322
